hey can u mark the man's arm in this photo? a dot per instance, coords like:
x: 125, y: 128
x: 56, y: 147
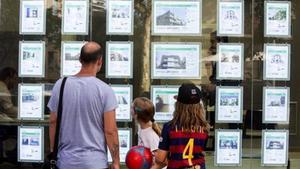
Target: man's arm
x: 6, y: 104
x: 52, y: 129
x: 11, y: 112
x: 111, y: 136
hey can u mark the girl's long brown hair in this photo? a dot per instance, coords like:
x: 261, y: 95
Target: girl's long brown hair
x: 190, y: 117
x: 144, y: 109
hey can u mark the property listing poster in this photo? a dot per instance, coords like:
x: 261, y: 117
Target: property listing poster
x: 278, y: 18
x: 124, y: 99
x: 176, y: 17
x: 32, y: 19
x: 125, y: 144
x: 30, y: 144
x: 176, y: 60
x: 277, y: 62
x: 75, y: 16
x: 163, y: 98
x: 119, y: 59
x: 31, y: 101
x: 230, y: 61
x: 228, y: 145
x: 276, y: 105
x: 275, y: 147
x: 229, y: 104
x: 230, y: 18
x: 31, y: 59
x: 120, y: 17
x: 70, y: 58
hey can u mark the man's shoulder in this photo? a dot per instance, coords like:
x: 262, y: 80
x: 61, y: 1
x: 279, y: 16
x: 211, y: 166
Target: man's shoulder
x: 90, y: 80
x: 3, y: 87
x: 58, y: 82
x: 101, y: 84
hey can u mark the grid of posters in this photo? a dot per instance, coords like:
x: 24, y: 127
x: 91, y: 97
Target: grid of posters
x: 276, y: 103
x: 176, y: 60
x: 230, y: 18
x: 31, y: 59
x: 229, y: 104
x: 228, y: 147
x: 230, y: 61
x: 275, y: 147
x: 70, y: 64
x: 163, y: 98
x: 32, y: 17
x: 124, y: 98
x: 277, y: 19
x: 119, y: 17
x: 75, y: 17
x: 277, y: 62
x: 30, y: 144
x: 119, y: 58
x: 31, y: 101
x: 125, y: 144
x: 180, y: 17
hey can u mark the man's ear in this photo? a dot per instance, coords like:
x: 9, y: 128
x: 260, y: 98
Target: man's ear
x: 100, y: 61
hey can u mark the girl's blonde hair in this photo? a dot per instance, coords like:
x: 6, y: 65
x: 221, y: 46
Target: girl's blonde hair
x: 190, y: 117
x: 144, y: 109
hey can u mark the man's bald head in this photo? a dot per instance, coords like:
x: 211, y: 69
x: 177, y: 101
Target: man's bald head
x: 90, y: 53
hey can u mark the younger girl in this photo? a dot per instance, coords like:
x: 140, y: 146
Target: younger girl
x: 149, y: 132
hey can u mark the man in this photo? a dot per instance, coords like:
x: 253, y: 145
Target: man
x: 8, y: 134
x: 8, y: 80
x: 88, y: 123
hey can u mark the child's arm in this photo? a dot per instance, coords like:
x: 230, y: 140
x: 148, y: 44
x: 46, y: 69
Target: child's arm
x: 160, y: 157
x: 161, y: 154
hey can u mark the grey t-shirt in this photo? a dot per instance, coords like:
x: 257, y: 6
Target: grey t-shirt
x: 82, y: 140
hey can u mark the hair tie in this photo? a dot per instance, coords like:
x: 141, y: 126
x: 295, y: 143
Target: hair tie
x: 137, y: 109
